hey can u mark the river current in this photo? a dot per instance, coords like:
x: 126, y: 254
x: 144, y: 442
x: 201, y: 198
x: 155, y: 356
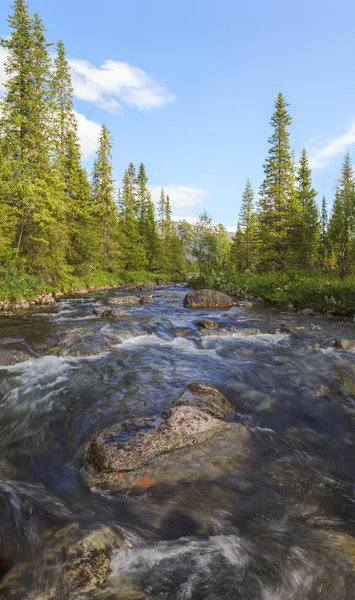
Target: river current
x: 281, y: 526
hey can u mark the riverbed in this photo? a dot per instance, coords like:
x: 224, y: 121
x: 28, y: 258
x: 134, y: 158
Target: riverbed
x: 279, y: 526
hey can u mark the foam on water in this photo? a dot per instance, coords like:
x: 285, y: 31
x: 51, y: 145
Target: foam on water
x: 34, y: 383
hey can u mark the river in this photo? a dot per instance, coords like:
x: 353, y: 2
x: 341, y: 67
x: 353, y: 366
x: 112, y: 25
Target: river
x: 280, y: 526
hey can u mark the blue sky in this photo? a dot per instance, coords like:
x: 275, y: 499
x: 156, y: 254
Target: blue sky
x: 188, y: 86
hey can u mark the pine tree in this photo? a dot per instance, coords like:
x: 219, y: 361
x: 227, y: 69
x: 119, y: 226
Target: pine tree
x: 36, y: 191
x: 309, y: 231
x: 249, y: 227
x: 135, y: 256
x: 237, y: 262
x: 324, y: 241
x: 104, y: 205
x: 342, y: 221
x: 83, y: 243
x: 278, y: 203
x: 146, y: 218
x: 161, y: 212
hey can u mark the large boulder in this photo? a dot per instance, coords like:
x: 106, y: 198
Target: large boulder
x: 147, y: 300
x: 210, y: 299
x: 185, y: 443
x: 106, y: 311
x: 149, y: 286
x: 73, y: 562
x: 122, y: 300
x: 345, y: 344
x: 206, y: 398
x: 206, y: 324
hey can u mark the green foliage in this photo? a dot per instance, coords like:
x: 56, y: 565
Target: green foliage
x: 278, y: 204
x: 211, y: 247
x: 342, y: 221
x: 246, y: 241
x: 309, y: 227
x: 321, y: 293
x: 105, y: 209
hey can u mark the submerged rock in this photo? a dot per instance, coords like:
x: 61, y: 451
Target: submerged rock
x: 207, y: 299
x: 76, y: 342
x: 344, y: 344
x: 307, y: 312
x: 147, y: 300
x: 73, y: 562
x: 185, y: 443
x: 288, y: 328
x: 207, y: 324
x: 106, y: 311
x: 183, y: 331
x: 121, y: 300
x: 248, y: 331
x: 206, y: 398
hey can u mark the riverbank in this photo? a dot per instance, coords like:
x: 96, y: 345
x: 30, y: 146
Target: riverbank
x: 319, y: 293
x: 19, y: 291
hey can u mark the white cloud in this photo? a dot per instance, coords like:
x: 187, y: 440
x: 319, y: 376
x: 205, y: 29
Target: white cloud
x: 338, y: 146
x: 112, y: 84
x: 88, y: 132
x: 181, y: 196
x: 115, y: 83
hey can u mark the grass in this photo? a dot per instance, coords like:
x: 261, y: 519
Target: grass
x: 18, y: 286
x: 322, y: 292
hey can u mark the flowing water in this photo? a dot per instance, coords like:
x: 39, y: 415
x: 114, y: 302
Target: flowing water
x: 280, y: 526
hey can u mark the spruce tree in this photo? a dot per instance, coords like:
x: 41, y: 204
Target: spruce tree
x: 342, y: 221
x: 83, y: 243
x: 309, y: 230
x: 278, y: 204
x: 237, y: 263
x: 324, y: 241
x: 249, y: 227
x: 104, y: 205
x: 37, y: 192
x: 135, y: 256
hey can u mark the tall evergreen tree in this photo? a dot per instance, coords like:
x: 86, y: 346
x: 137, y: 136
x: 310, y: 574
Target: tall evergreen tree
x: 324, y: 240
x: 342, y: 221
x: 278, y: 203
x: 83, y: 241
x: 135, y: 255
x: 103, y: 199
x: 36, y: 191
x: 249, y: 228
x: 309, y: 230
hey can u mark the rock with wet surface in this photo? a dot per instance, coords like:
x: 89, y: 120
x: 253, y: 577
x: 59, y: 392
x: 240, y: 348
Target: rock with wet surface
x: 122, y: 300
x: 207, y: 299
x: 106, y: 311
x: 184, y: 443
x: 345, y: 344
x: 206, y: 398
x: 77, y: 558
x: 149, y: 286
x: 207, y: 324
x: 76, y: 342
x: 147, y: 300
x: 246, y: 332
x: 183, y: 331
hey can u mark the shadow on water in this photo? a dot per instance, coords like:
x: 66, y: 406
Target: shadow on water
x: 280, y: 526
